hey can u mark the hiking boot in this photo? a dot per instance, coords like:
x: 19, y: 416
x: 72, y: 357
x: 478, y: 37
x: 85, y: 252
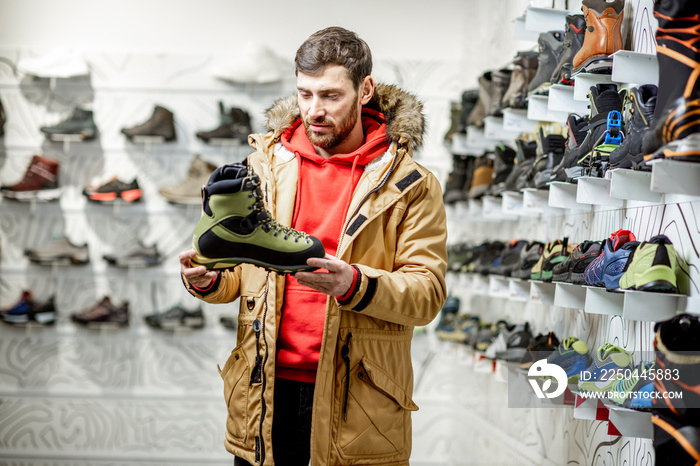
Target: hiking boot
x: 529, y: 256
x: 189, y: 190
x: 603, y: 36
x: 550, y: 44
x: 80, y: 122
x: 138, y: 255
x: 483, y: 177
x: 604, y: 98
x: 502, y: 167
x: 235, y: 227
x: 161, y: 123
x: 462, y: 167
x: 469, y: 99
x: 677, y: 347
x: 40, y: 182
x: 483, y: 102
x: 103, y: 313
x: 608, y: 267
x: 577, y: 131
x: 176, y: 317
x: 642, y: 104
x: 676, y: 126
x: 500, y: 81
x: 526, y: 153
x: 524, y: 70
x: 574, y: 34
x: 551, y: 146
x: 59, y: 252
x: 234, y: 124
x: 542, y: 346
x: 654, y: 266
x: 573, y: 268
x: 516, y: 344
x: 114, y: 191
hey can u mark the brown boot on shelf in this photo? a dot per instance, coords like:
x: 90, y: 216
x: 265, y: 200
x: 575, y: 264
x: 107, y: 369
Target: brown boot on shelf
x: 603, y: 36
x: 524, y: 69
x: 483, y: 177
x: 483, y: 103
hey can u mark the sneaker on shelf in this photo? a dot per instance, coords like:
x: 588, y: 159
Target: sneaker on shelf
x: 27, y: 310
x: 517, y: 344
x: 139, y: 255
x: 103, y: 313
x: 635, y: 391
x: 487, y: 334
x: 80, y: 122
x: 510, y: 258
x: 554, y: 253
x: 529, y: 257
x: 40, y: 182
x: 189, y: 190
x: 655, y: 265
x: 161, y: 124
x: 572, y: 356
x: 235, y: 227
x: 60, y: 251
x: 455, y: 327
x: 609, y: 364
x: 114, y: 191
x: 608, y: 267
x: 499, y: 345
x: 542, y: 346
x: 573, y: 268
x: 489, y: 255
x: 176, y: 317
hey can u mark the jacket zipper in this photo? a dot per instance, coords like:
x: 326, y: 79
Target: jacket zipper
x: 255, y: 375
x: 345, y: 353
x: 259, y: 441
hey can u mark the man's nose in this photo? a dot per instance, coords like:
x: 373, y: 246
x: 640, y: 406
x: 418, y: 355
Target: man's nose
x: 316, y: 110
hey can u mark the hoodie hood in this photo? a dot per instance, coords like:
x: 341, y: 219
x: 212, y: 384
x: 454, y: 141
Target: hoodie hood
x: 405, y: 122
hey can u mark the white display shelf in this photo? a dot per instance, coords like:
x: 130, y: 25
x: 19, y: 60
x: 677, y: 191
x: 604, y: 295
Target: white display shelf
x: 475, y: 209
x: 632, y: 185
x: 492, y: 208
x: 635, y: 67
x: 537, y: 201
x: 596, y: 191
x: 563, y: 195
x: 590, y: 409
x: 520, y: 32
x: 631, y: 423
x: 519, y: 290
x: 515, y: 119
x: 538, y: 110
x: 512, y: 204
x: 545, y: 19
x: 477, y: 139
x: 584, y: 81
x: 561, y: 99
x: 669, y: 176
x: 542, y: 292
x: 460, y: 146
x: 602, y: 301
x: 498, y: 286
x: 480, y: 284
x: 650, y: 306
x: 495, y: 130
x: 569, y: 295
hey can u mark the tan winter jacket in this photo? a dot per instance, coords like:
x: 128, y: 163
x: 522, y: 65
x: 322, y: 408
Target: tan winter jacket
x: 395, y: 233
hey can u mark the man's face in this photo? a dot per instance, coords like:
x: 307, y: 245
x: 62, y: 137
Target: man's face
x: 329, y: 106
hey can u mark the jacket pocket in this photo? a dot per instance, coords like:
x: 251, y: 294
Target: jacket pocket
x: 236, y: 386
x: 377, y: 417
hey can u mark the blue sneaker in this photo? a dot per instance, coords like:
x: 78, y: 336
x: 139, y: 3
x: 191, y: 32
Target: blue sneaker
x: 609, y: 363
x: 609, y: 266
x: 572, y: 356
x: 636, y: 390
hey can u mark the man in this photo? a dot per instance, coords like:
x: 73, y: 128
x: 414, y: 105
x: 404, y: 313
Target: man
x: 322, y: 370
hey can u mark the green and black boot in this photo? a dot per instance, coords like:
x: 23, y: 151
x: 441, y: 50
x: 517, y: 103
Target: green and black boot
x: 235, y: 227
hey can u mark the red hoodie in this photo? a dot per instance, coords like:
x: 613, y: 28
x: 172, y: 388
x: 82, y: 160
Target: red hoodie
x: 325, y: 190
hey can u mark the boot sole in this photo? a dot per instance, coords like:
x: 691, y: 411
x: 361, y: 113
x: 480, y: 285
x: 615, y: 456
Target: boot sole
x: 231, y: 262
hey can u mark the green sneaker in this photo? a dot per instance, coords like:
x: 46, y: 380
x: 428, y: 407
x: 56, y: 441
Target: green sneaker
x: 635, y: 391
x: 655, y: 266
x: 609, y: 365
x: 554, y: 253
x: 235, y: 227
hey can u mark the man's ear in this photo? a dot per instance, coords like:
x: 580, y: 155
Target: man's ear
x: 366, y: 89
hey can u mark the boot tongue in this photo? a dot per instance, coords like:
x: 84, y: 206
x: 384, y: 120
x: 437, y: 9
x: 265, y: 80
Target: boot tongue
x: 660, y: 239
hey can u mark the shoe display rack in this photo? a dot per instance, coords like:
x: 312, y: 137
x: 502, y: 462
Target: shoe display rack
x: 664, y: 200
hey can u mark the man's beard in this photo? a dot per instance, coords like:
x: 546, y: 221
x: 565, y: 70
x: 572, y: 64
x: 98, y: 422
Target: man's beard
x: 338, y: 134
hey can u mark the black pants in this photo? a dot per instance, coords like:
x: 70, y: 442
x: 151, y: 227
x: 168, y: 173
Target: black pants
x: 291, y: 424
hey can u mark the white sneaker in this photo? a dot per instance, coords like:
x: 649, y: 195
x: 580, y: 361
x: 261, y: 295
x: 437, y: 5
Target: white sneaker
x: 59, y: 63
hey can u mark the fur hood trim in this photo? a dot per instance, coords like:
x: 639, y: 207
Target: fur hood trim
x: 403, y: 112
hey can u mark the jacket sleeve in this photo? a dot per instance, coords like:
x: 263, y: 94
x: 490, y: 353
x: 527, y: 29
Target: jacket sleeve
x: 413, y: 293
x: 227, y: 290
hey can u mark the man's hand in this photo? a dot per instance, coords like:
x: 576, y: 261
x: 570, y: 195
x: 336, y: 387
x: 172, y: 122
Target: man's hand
x: 197, y: 276
x: 335, y: 281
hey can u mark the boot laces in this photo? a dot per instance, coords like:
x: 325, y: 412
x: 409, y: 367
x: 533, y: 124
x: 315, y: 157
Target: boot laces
x: 267, y: 223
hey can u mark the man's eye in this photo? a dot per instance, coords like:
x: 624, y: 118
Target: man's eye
x: 332, y: 96
x: 303, y: 95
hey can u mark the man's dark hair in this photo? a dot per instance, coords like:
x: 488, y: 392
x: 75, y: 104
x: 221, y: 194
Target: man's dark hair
x: 337, y: 46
